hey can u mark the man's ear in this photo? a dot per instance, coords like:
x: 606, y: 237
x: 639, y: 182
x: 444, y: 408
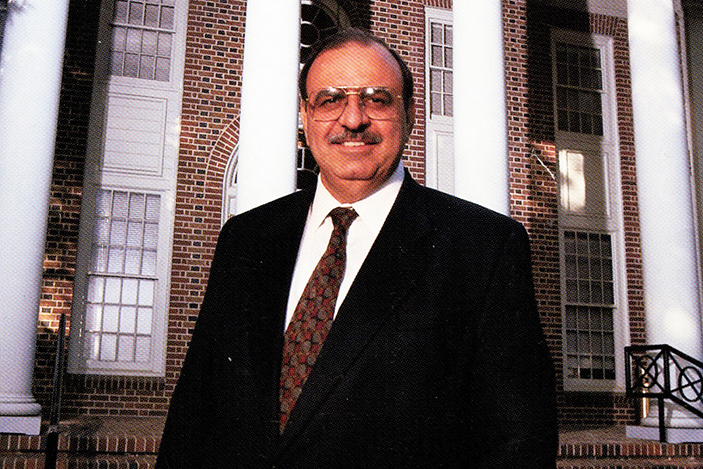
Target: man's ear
x: 410, y: 117
x: 303, y: 114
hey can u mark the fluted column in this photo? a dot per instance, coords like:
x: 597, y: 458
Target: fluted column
x: 666, y: 209
x: 30, y: 79
x: 480, y: 110
x: 269, y: 119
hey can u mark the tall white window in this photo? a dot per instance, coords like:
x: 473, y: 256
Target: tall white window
x: 122, y: 276
x: 142, y: 38
x: 122, y: 279
x: 594, y: 302
x: 439, y: 99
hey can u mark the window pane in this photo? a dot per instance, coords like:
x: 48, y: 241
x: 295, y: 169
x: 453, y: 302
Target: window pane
x: 119, y: 38
x: 113, y: 290
x: 448, y: 105
x: 129, y: 291
x: 128, y: 319
x: 96, y: 289
x: 131, y: 65
x: 91, y: 346
x: 437, y: 33
x: 149, y: 40
x: 437, y: 56
x: 119, y: 205
x: 167, y: 15
x: 436, y: 103
x: 135, y: 232
x: 136, y: 13
x: 146, y: 67
x: 144, y: 320
x: 146, y: 292
x: 448, y: 82
x: 164, y: 44
x: 93, y: 317
x: 116, y: 63
x: 111, y: 318
x: 118, y: 233
x: 143, y: 352
x: 163, y: 69
x: 108, y: 347
x: 115, y: 263
x: 99, y: 261
x: 152, y: 207
x: 435, y: 80
x: 133, y: 261
x: 126, y: 349
x: 151, y: 16
x: 149, y: 263
x: 151, y: 235
x: 120, y: 11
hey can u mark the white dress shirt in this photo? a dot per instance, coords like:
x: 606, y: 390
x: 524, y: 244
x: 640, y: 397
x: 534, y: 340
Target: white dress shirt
x: 373, y: 211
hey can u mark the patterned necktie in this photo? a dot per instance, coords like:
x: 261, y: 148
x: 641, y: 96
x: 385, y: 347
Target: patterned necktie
x: 313, y: 315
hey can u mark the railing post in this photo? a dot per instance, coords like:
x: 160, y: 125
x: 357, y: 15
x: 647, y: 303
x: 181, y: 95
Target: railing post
x: 662, y: 423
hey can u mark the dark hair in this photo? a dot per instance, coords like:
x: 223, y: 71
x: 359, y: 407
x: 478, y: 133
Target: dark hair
x: 357, y: 36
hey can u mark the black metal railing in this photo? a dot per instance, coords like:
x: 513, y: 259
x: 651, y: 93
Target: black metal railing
x: 662, y: 372
x: 52, y: 434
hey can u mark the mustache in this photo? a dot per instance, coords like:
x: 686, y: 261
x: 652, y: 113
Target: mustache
x: 351, y: 136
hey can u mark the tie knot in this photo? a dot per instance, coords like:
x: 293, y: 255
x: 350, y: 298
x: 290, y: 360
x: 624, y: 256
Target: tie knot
x: 342, y: 217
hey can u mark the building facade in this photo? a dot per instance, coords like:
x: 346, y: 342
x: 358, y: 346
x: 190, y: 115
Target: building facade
x: 544, y: 110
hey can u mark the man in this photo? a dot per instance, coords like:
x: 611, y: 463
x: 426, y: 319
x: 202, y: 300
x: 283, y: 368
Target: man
x: 428, y: 352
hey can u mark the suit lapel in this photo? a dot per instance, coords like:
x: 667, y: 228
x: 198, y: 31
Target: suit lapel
x: 389, y: 271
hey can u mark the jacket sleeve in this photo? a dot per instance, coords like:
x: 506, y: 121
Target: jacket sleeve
x: 513, y: 389
x: 187, y: 439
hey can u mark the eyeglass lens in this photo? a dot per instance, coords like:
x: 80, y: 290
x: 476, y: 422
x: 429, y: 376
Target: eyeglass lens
x: 329, y: 104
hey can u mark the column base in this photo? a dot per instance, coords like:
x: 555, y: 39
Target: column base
x: 22, y: 424
x: 673, y: 435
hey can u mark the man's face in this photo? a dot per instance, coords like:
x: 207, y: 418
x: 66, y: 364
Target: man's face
x: 356, y: 154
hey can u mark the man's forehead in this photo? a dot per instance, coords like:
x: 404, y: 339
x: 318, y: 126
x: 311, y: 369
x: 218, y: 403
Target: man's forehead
x: 354, y: 64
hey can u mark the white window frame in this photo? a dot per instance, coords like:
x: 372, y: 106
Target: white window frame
x: 109, y: 166
x: 439, y: 129
x: 609, y: 220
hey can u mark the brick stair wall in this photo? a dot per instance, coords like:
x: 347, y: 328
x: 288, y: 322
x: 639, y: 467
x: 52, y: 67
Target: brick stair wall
x: 133, y: 444
x: 631, y: 454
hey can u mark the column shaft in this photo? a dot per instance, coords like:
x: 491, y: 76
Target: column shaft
x: 269, y: 120
x: 480, y: 110
x: 666, y: 210
x: 30, y: 79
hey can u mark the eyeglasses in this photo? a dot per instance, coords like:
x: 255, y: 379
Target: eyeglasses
x: 377, y: 102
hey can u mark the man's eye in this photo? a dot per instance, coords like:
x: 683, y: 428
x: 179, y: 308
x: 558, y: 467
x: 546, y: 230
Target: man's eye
x: 329, y: 99
x: 378, y: 98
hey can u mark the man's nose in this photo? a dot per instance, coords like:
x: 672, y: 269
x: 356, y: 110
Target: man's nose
x: 354, y: 116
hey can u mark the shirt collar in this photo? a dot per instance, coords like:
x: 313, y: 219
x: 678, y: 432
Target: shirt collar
x: 373, y: 210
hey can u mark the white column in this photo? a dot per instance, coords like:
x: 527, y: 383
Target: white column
x: 666, y: 211
x: 30, y: 79
x: 269, y: 120
x: 694, y: 36
x: 480, y: 111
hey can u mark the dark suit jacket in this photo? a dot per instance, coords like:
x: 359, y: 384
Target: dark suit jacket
x: 435, y: 359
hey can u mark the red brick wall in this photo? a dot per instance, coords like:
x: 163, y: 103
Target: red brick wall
x: 209, y: 134
x: 541, y: 216
x: 212, y: 82
x: 66, y: 189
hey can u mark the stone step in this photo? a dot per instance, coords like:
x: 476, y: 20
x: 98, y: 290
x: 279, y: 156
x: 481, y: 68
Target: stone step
x: 72, y: 461
x: 636, y: 463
